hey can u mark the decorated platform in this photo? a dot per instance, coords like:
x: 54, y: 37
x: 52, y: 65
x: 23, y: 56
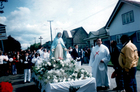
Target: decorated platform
x: 62, y: 76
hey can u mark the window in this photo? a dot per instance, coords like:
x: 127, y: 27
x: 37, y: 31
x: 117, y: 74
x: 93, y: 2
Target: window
x: 138, y: 36
x: 118, y: 38
x: 128, y: 17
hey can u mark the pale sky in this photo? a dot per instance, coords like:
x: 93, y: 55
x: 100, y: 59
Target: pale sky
x: 27, y: 20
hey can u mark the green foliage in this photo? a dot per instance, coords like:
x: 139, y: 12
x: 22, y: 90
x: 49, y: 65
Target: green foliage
x: 34, y: 46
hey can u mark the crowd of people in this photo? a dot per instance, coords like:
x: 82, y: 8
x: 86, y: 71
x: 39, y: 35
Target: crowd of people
x: 12, y: 63
x: 124, y: 61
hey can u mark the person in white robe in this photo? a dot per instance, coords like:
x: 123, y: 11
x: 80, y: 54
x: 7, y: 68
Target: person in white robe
x: 45, y: 55
x: 68, y: 58
x: 40, y: 51
x: 100, y: 55
x: 37, y: 60
x: 58, y: 48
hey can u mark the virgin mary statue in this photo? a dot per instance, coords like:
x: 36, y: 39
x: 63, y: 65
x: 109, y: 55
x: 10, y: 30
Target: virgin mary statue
x: 58, y: 48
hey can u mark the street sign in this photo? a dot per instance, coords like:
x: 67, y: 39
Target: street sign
x: 3, y: 35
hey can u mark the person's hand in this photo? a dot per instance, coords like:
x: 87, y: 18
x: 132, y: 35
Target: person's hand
x: 65, y: 49
x: 102, y: 61
x: 52, y: 50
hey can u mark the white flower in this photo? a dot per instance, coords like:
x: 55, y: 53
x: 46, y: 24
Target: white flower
x: 54, y: 65
x: 49, y: 63
x: 54, y: 77
x: 82, y: 75
x: 48, y: 77
x: 69, y: 79
x: 90, y: 75
x: 61, y: 62
x: 62, y: 70
x: 57, y: 59
x: 53, y: 58
x: 51, y: 71
x: 82, y: 71
x: 64, y: 79
x: 55, y: 80
x: 62, y: 65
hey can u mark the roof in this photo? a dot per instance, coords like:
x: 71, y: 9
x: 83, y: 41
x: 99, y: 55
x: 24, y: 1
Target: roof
x: 118, y: 7
x: 67, y: 34
x: 73, y: 32
x: 99, y: 33
x: 2, y: 24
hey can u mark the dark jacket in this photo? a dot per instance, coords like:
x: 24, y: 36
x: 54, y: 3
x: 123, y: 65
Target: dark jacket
x: 115, y: 56
x: 27, y: 65
x: 76, y: 54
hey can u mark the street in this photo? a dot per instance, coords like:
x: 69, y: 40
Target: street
x: 19, y: 86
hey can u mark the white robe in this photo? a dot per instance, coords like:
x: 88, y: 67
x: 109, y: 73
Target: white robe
x: 40, y: 52
x: 98, y: 54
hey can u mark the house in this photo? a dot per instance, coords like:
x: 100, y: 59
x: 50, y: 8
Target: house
x: 125, y: 19
x: 11, y: 44
x: 101, y: 33
x: 75, y: 36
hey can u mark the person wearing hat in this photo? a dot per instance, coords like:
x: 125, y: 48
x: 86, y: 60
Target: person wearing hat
x: 99, y: 59
x: 128, y: 60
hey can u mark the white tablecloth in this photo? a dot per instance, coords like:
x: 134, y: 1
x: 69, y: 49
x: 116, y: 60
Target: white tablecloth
x: 86, y: 85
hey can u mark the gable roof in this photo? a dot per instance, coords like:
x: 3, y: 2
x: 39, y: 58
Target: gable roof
x: 74, y: 31
x: 118, y: 7
x: 99, y: 33
x: 67, y: 34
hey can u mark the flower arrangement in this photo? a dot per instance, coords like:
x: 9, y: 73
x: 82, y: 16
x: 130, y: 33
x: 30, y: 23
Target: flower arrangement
x: 54, y: 71
x: 6, y: 87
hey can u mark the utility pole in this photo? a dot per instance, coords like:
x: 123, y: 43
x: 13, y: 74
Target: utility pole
x: 35, y: 39
x: 50, y: 29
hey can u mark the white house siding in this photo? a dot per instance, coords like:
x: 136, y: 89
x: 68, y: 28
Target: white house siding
x: 118, y: 28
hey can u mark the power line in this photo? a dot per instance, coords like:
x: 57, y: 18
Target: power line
x: 91, y: 15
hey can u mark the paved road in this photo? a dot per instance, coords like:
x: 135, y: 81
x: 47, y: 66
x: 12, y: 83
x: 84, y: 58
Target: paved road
x: 18, y: 86
x: 112, y: 81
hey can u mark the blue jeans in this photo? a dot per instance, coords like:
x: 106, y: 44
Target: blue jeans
x: 14, y: 69
x: 130, y: 83
x: 119, y: 78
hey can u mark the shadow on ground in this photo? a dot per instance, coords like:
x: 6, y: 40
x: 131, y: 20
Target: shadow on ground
x: 29, y: 88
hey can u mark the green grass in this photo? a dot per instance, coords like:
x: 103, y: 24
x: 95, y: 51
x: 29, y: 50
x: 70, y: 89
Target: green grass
x: 138, y: 67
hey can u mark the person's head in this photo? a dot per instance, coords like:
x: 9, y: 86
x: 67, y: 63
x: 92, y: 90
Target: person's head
x: 17, y: 52
x: 48, y: 51
x: 124, y: 38
x: 5, y: 53
x: 70, y: 47
x: 45, y: 50
x: 99, y: 41
x: 59, y: 35
x: 76, y: 46
x: 26, y: 54
x: 37, y: 55
x: 113, y: 43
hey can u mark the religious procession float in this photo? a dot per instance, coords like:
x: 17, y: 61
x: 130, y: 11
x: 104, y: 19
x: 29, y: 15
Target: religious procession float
x: 62, y: 76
